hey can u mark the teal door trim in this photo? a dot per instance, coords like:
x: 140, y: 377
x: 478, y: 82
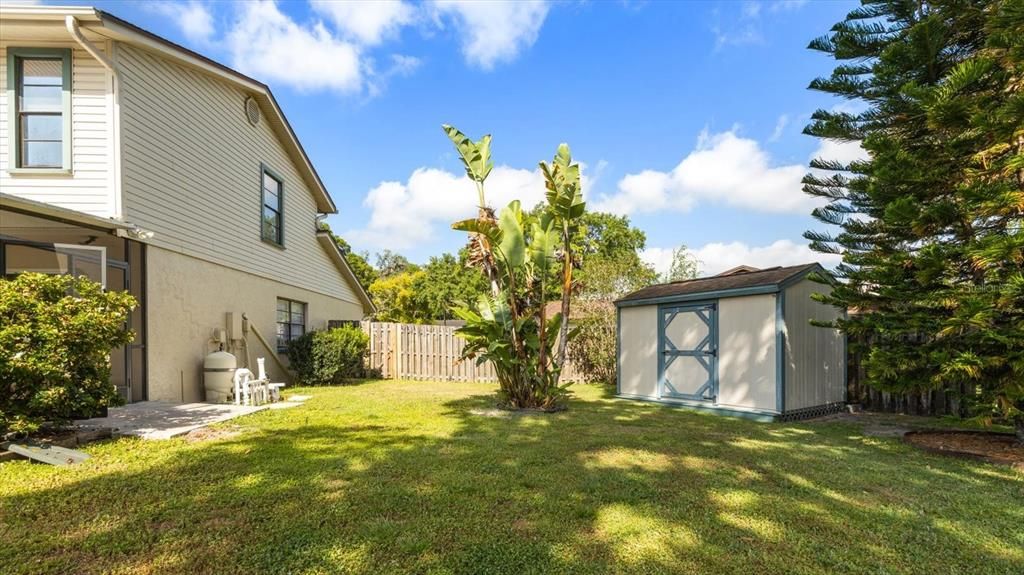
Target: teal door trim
x: 705, y: 353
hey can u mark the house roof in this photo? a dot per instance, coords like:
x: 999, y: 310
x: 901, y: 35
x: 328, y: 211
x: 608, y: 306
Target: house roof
x: 65, y: 215
x: 334, y: 252
x: 107, y: 25
x: 736, y: 283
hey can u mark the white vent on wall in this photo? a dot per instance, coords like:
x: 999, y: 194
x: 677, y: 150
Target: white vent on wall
x: 252, y: 111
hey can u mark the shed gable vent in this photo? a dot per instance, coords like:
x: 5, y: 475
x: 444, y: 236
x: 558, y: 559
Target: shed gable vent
x: 252, y: 111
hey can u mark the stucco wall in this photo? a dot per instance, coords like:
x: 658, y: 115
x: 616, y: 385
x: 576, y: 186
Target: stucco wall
x: 746, y: 352
x: 638, y: 352
x: 189, y: 297
x: 815, y: 358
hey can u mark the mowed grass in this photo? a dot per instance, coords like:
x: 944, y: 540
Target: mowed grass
x: 421, y: 477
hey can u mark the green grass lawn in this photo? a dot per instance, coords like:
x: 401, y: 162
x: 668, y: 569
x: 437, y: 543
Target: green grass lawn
x: 413, y: 477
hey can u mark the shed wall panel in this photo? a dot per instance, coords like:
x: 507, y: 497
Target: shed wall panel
x: 638, y: 351
x: 746, y: 352
x: 815, y: 357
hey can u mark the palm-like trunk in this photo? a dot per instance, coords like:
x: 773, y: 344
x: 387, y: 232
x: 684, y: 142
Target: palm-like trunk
x: 563, y: 331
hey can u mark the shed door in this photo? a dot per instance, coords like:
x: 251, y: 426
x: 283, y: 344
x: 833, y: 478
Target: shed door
x: 688, y: 346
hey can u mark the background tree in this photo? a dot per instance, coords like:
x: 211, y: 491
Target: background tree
x: 448, y: 281
x: 358, y: 262
x: 396, y: 298
x: 685, y: 266
x: 930, y: 226
x: 391, y: 263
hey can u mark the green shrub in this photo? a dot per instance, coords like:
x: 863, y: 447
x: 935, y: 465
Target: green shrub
x: 329, y: 357
x: 56, y: 334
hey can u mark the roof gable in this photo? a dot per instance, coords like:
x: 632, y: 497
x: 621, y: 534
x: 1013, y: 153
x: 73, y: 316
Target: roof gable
x: 110, y: 26
x: 734, y: 284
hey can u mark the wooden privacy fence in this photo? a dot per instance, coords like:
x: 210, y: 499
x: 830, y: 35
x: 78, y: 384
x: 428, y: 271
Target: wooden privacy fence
x: 427, y: 352
x: 948, y: 400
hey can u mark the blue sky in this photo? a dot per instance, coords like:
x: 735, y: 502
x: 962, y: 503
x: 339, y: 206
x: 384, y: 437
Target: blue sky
x: 687, y: 115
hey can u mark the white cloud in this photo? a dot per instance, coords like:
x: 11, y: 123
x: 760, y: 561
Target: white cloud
x: 747, y: 27
x: 842, y: 152
x: 496, y: 31
x: 783, y: 5
x: 192, y: 17
x: 406, y: 214
x: 367, y: 21
x: 269, y: 45
x: 725, y: 169
x: 717, y: 257
x: 780, y: 126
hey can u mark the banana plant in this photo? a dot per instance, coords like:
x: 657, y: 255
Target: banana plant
x: 476, y: 158
x: 509, y: 327
x: 566, y: 206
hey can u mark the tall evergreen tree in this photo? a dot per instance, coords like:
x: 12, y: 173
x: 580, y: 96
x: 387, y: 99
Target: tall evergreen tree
x: 930, y: 225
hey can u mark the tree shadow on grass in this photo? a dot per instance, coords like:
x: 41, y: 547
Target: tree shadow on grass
x: 608, y: 486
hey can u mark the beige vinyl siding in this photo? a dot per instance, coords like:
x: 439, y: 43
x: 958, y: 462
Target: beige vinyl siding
x: 638, y: 351
x: 815, y: 356
x: 746, y: 352
x: 90, y: 188
x: 191, y: 165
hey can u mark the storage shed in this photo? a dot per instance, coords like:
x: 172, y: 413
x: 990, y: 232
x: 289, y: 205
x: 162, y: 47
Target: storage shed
x: 739, y: 343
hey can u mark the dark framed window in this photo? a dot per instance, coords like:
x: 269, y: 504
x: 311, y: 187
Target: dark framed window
x: 40, y: 108
x: 291, y: 322
x: 272, y: 194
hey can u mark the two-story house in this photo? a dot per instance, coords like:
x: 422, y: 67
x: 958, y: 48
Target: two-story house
x: 148, y: 167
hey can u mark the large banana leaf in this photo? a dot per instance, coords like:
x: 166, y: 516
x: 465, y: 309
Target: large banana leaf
x: 486, y: 228
x: 543, y: 240
x: 562, y: 180
x: 476, y: 156
x: 513, y: 241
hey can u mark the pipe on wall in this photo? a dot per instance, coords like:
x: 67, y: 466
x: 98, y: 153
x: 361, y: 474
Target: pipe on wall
x: 72, y: 24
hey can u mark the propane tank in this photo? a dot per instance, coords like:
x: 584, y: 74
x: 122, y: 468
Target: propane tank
x: 218, y: 369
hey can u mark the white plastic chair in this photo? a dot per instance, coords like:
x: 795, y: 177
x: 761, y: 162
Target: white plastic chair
x: 241, y: 381
x: 273, y: 389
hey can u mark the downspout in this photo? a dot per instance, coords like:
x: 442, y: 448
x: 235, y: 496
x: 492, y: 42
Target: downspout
x: 73, y: 28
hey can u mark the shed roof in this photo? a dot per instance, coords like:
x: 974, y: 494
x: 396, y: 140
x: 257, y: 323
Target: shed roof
x: 736, y: 283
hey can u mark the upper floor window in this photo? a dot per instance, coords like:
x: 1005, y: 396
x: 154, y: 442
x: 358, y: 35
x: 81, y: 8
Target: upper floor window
x: 273, y: 207
x: 41, y: 107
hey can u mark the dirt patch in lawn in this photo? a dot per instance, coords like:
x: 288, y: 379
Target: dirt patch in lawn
x: 213, y: 433
x: 986, y: 446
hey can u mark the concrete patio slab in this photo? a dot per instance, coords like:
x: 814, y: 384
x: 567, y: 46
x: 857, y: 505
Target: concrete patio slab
x: 164, y: 420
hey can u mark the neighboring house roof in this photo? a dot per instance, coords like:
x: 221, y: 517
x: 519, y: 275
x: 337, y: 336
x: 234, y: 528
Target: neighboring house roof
x: 735, y: 284
x: 740, y: 269
x: 110, y: 26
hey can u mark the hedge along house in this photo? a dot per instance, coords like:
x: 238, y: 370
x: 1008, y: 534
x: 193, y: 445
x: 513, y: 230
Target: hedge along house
x: 739, y: 343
